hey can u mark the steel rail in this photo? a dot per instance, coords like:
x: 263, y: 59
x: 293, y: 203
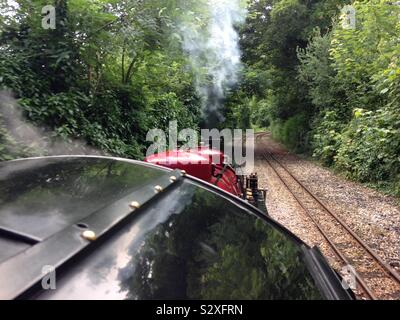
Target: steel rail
x: 389, y: 270
x: 337, y: 251
x: 392, y: 273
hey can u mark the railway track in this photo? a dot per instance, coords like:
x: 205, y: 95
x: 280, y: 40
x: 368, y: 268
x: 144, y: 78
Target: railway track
x: 374, y: 278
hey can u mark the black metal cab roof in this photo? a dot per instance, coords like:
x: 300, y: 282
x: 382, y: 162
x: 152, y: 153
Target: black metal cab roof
x: 41, y: 196
x: 158, y: 235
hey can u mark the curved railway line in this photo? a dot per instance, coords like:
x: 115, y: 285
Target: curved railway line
x: 372, y: 274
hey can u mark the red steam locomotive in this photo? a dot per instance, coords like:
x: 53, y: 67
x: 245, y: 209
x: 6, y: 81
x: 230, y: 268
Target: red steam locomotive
x: 201, y: 164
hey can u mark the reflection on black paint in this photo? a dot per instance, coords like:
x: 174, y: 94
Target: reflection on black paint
x: 211, y: 251
x: 188, y: 244
x: 40, y: 197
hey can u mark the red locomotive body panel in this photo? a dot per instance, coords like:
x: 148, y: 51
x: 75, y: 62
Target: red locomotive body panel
x: 199, y: 163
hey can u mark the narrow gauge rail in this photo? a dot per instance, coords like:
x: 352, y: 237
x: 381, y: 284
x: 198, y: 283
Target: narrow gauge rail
x: 375, y: 278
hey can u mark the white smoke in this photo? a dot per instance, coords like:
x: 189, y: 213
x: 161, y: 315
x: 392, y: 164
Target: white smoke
x: 215, y: 54
x: 36, y: 140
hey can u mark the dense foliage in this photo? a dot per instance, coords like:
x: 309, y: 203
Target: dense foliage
x: 108, y: 72
x: 326, y: 88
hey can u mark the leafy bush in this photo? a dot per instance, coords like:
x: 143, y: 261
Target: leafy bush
x: 260, y: 114
x: 292, y: 132
x: 15, y: 73
x: 370, y: 146
x: 97, y: 78
x: 317, y: 73
x: 167, y: 108
x: 71, y: 115
x: 353, y: 81
x: 326, y: 136
x: 62, y: 109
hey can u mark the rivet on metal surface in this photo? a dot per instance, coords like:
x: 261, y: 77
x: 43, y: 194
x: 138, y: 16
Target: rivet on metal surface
x: 134, y: 205
x: 89, y: 235
x: 172, y: 179
x: 158, y: 189
x: 183, y: 172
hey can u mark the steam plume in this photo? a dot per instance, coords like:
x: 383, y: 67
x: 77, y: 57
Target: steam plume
x: 215, y: 55
x: 37, y: 140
